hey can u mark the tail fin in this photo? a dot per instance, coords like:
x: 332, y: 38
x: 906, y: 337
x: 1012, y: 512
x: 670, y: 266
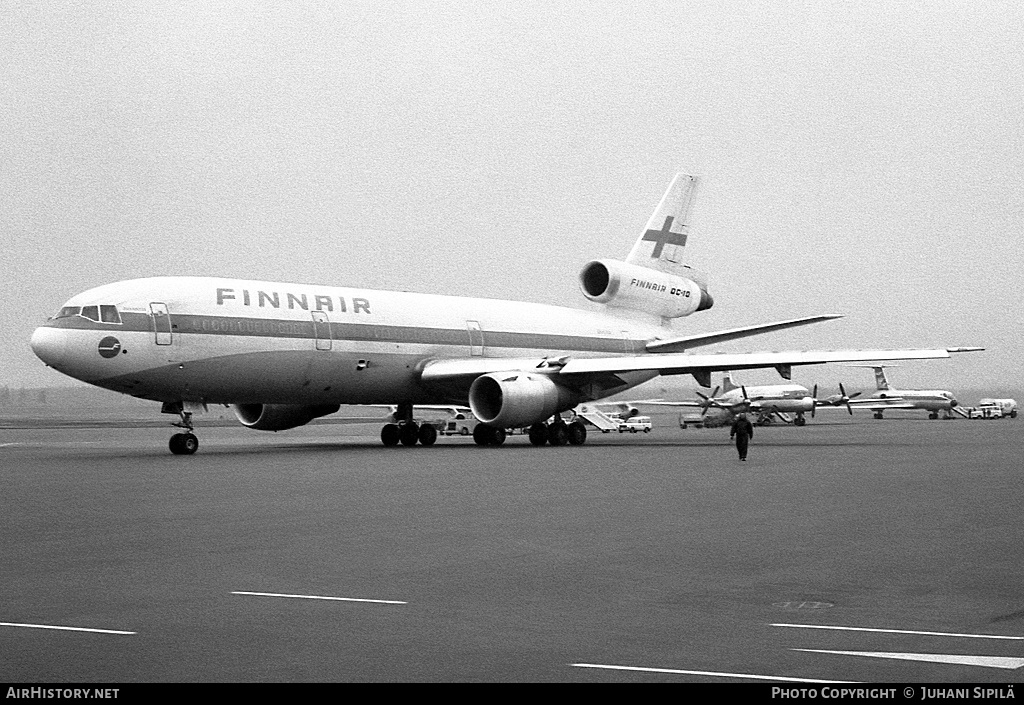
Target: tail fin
x: 661, y: 244
x: 727, y: 384
x: 880, y: 381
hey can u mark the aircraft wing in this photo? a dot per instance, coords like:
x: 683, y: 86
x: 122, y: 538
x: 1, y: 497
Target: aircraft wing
x: 602, y: 371
x: 683, y: 363
x: 875, y: 405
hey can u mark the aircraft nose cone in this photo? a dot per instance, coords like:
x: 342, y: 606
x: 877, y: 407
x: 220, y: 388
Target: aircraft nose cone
x: 49, y: 345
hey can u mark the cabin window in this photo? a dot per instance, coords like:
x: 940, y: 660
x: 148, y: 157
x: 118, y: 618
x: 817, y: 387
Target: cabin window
x: 91, y: 312
x: 108, y: 314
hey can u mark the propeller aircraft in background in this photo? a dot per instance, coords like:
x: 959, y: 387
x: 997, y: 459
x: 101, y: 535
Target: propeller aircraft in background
x: 767, y: 403
x: 887, y: 398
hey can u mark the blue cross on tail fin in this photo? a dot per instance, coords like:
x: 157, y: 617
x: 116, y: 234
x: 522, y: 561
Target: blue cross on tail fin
x: 661, y: 243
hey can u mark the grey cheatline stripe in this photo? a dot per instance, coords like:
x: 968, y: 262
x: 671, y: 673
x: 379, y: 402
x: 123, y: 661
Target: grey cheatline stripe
x: 318, y: 597
x: 64, y: 629
x: 194, y: 324
x: 718, y: 674
x: 900, y: 631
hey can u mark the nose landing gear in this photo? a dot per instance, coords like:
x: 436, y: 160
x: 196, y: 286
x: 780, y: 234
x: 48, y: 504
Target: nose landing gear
x: 182, y: 443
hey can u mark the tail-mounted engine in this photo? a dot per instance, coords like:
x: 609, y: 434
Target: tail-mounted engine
x: 622, y: 285
x: 518, y: 399
x: 280, y: 417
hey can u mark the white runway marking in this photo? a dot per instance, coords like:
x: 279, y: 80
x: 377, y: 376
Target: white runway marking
x: 48, y: 444
x: 64, y: 629
x: 900, y: 631
x: 319, y: 597
x: 987, y: 661
x: 705, y: 673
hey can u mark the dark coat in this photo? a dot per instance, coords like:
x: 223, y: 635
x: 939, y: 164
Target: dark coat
x: 743, y: 427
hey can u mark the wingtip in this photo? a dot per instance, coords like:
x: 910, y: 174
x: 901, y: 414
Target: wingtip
x: 964, y: 349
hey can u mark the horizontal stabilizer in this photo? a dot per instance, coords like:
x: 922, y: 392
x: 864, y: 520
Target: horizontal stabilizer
x: 682, y: 343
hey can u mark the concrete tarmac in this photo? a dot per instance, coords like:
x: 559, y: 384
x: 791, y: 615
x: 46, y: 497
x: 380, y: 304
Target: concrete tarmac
x: 845, y: 550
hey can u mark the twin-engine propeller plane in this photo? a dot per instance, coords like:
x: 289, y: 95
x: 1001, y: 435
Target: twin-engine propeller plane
x: 285, y: 354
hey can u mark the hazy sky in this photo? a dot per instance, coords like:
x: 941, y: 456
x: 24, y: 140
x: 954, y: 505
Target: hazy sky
x: 858, y: 158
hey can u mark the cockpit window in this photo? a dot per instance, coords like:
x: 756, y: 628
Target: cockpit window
x: 101, y: 314
x: 108, y: 314
x: 68, y: 312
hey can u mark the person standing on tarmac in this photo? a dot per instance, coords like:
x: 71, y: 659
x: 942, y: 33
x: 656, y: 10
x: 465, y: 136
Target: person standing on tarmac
x: 742, y: 431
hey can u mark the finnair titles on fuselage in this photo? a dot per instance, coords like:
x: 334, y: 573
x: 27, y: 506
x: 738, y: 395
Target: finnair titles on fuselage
x: 285, y: 354
x: 321, y: 302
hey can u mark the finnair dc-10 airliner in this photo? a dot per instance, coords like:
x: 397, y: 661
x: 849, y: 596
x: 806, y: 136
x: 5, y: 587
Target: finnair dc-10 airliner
x: 285, y: 354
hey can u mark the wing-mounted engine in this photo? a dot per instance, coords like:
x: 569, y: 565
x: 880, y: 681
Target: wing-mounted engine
x: 518, y: 399
x: 628, y: 286
x: 280, y: 417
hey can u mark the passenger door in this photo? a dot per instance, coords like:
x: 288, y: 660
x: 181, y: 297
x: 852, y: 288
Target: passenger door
x: 476, y: 338
x: 321, y: 330
x: 161, y: 323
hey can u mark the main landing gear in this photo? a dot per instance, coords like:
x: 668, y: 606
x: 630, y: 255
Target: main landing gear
x: 182, y: 443
x: 408, y: 434
x: 406, y: 431
x: 488, y: 435
x: 558, y: 433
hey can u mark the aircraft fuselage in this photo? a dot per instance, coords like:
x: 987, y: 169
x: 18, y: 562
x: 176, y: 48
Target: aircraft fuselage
x: 233, y: 341
x: 784, y: 398
x: 927, y: 399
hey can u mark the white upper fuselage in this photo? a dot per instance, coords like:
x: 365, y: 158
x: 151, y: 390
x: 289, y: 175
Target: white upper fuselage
x: 307, y: 344
x: 929, y: 399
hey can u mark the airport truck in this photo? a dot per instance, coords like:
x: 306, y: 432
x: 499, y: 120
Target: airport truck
x: 987, y: 411
x: 688, y: 419
x: 1007, y: 407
